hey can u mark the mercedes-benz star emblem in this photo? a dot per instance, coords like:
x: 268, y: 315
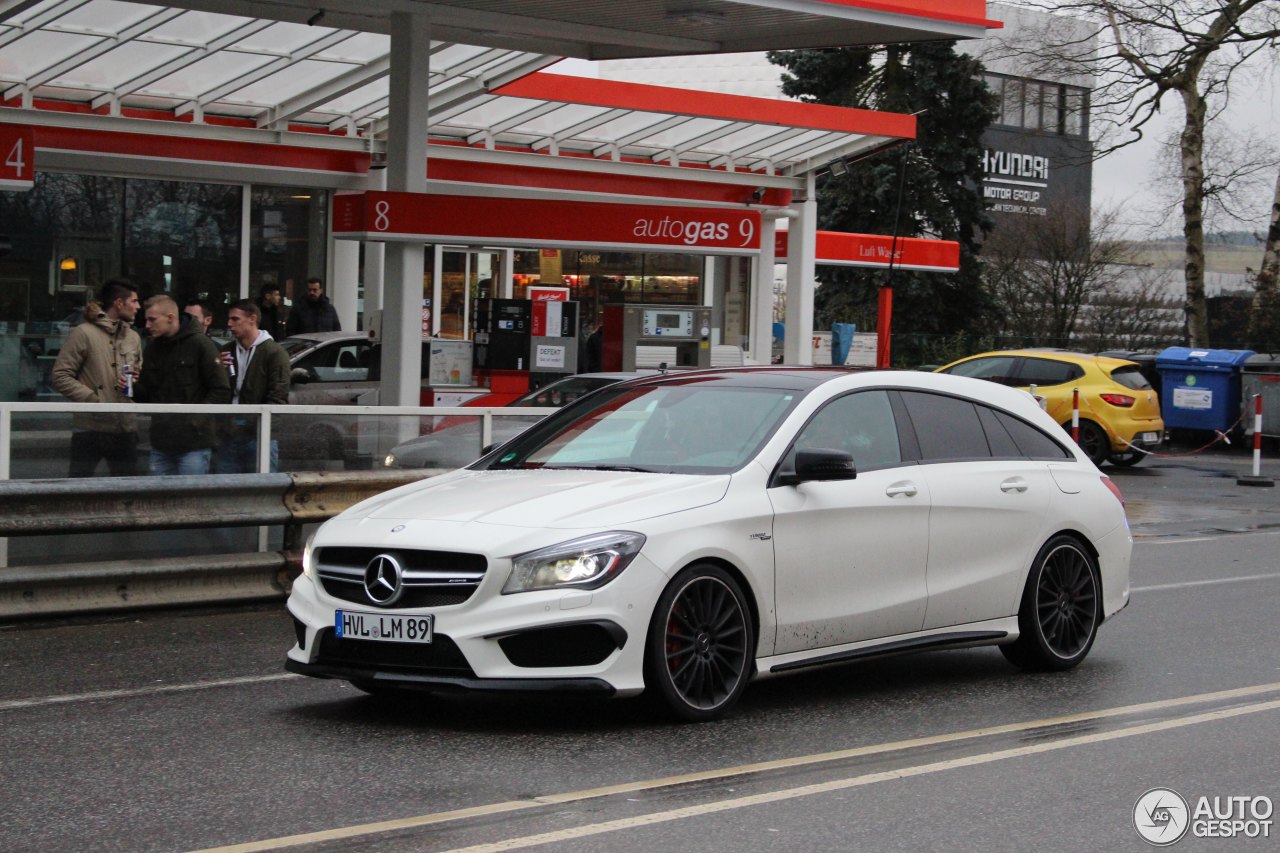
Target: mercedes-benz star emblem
x: 383, y: 580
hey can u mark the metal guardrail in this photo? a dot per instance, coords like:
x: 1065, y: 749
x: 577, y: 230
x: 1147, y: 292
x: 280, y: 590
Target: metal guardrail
x: 101, y: 504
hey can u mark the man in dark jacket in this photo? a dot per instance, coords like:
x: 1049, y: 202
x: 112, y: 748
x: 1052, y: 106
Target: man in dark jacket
x: 261, y: 376
x: 274, y: 318
x: 181, y: 366
x: 314, y: 313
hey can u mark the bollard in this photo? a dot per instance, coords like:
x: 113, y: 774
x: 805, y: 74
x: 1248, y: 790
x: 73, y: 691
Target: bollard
x: 1075, y: 415
x: 1256, y: 478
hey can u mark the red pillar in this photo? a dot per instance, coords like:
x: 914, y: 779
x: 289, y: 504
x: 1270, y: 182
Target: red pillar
x: 883, y: 323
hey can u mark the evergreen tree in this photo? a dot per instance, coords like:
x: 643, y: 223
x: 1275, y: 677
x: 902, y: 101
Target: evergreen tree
x: 939, y: 178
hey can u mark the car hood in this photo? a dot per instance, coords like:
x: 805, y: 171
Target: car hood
x: 568, y: 499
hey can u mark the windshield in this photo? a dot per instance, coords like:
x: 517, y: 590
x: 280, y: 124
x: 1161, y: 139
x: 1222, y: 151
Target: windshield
x: 674, y: 428
x: 293, y: 346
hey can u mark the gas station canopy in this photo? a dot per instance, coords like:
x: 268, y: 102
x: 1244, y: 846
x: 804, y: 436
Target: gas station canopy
x: 286, y: 65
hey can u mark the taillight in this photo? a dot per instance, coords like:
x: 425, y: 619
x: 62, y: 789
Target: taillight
x: 1120, y: 400
x: 1113, y: 488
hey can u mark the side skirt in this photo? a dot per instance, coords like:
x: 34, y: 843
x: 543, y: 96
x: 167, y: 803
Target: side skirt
x: 897, y: 647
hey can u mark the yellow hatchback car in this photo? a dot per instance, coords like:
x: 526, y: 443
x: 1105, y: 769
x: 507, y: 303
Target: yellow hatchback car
x: 1118, y: 407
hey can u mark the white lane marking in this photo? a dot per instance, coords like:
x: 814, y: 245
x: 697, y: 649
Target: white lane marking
x: 1138, y: 540
x: 859, y: 781
x: 357, y: 830
x: 40, y: 701
x: 1212, y: 581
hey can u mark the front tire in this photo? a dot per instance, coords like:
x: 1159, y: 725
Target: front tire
x: 701, y: 644
x: 1061, y: 609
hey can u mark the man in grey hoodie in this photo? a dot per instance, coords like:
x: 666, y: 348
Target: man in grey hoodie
x: 98, y: 363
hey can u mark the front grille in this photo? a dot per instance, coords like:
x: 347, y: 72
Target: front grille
x: 439, y: 657
x: 431, y: 578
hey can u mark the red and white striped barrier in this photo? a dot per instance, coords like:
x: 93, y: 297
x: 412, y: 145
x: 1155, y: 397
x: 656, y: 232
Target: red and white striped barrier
x: 1256, y: 478
x: 1075, y: 415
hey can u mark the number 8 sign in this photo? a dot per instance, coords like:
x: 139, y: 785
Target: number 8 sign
x: 17, y: 156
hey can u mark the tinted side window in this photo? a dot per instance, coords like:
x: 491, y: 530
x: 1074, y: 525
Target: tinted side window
x: 1031, y: 441
x: 946, y: 427
x: 1002, y: 444
x: 861, y: 425
x: 1131, y: 377
x: 997, y: 368
x: 338, y: 362
x: 1042, y: 371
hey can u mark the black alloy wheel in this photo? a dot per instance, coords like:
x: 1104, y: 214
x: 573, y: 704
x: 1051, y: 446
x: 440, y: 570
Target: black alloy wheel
x: 1061, y: 608
x: 1093, y: 441
x: 701, y: 644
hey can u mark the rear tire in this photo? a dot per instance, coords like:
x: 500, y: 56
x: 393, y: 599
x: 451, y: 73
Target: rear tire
x: 1125, y: 459
x: 1093, y: 441
x: 1060, y: 610
x: 701, y: 644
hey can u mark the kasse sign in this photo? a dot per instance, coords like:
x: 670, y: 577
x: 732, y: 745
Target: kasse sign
x: 520, y: 222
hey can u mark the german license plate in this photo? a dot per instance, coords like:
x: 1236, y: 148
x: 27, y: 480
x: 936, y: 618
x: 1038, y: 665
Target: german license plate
x: 384, y: 627
x: 1151, y: 438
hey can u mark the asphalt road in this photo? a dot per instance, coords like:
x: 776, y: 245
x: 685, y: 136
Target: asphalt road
x: 179, y: 731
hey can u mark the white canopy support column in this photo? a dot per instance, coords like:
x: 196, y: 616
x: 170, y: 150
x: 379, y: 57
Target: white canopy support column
x: 374, y: 258
x: 762, y: 295
x: 802, y: 246
x: 346, y: 281
x: 406, y: 172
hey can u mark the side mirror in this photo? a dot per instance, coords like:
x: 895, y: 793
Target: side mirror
x: 299, y: 376
x: 819, y: 464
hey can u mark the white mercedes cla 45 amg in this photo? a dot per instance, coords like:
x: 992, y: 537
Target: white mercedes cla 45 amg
x: 683, y: 534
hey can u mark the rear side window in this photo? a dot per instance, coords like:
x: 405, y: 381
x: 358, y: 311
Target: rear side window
x: 946, y: 427
x: 1002, y: 444
x: 1031, y: 441
x: 1042, y: 371
x: 1131, y: 377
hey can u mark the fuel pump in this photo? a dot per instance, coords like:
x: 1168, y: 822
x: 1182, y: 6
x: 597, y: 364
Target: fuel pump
x: 646, y: 336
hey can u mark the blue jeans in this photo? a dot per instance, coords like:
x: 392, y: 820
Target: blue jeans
x: 191, y: 462
x: 240, y: 456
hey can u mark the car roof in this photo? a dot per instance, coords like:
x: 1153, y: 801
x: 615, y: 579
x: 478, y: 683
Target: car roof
x: 325, y: 337
x: 1053, y: 355
x: 792, y: 377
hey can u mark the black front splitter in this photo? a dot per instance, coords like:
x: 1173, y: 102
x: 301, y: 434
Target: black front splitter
x: 453, y: 684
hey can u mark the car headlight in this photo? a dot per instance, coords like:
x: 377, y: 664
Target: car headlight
x: 306, y: 556
x: 585, y: 563
x: 389, y: 461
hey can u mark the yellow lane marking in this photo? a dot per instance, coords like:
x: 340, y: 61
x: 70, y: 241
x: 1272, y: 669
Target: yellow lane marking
x: 728, y: 772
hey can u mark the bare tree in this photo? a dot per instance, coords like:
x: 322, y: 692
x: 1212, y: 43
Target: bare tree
x: 1044, y: 270
x: 1146, y: 52
x: 1264, y: 320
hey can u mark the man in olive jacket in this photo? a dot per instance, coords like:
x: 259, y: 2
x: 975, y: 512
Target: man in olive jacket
x: 182, y: 366
x: 261, y: 376
x: 97, y: 364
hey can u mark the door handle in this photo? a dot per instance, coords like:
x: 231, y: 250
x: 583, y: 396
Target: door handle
x: 1014, y: 484
x: 901, y: 488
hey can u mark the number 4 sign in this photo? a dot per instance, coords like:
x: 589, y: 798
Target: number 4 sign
x: 17, y: 158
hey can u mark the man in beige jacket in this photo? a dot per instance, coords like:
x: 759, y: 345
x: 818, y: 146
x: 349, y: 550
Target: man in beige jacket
x: 98, y: 363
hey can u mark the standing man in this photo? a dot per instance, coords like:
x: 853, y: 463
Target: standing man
x: 98, y: 363
x: 202, y: 312
x: 275, y: 315
x: 182, y: 367
x: 314, y: 313
x: 261, y: 376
